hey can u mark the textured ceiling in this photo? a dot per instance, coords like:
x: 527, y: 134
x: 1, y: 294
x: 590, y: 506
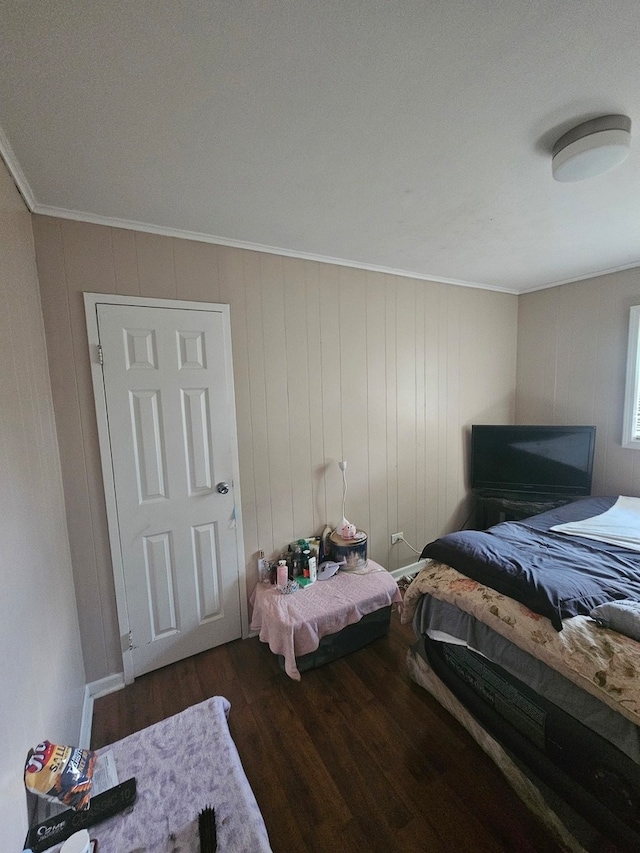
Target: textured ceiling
x: 408, y: 136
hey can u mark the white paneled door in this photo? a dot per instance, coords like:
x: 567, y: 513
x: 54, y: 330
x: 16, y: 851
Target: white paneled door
x: 172, y: 446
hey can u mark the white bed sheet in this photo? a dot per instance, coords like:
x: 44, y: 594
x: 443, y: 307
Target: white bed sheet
x: 619, y: 525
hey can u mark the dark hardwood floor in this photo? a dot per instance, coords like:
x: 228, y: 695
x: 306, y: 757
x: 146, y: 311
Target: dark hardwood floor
x: 355, y: 757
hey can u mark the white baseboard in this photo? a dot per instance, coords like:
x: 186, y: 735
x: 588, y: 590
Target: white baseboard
x: 411, y: 569
x: 94, y: 690
x: 85, y: 722
x: 104, y: 686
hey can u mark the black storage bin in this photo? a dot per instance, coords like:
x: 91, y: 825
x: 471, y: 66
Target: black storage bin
x: 333, y: 646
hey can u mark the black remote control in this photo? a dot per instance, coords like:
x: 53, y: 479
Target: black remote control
x: 59, y: 827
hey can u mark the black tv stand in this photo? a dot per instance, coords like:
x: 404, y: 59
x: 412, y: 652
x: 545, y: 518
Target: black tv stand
x: 512, y: 506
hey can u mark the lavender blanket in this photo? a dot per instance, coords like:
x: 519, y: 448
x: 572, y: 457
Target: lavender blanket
x: 181, y: 765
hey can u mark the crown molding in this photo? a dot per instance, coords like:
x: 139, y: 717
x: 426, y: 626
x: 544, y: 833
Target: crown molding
x: 113, y: 222
x: 7, y: 154
x: 20, y: 180
x: 582, y: 277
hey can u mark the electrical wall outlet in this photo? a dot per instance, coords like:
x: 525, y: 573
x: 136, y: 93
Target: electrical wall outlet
x: 396, y: 537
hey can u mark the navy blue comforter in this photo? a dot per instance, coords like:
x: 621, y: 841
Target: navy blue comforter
x: 553, y: 574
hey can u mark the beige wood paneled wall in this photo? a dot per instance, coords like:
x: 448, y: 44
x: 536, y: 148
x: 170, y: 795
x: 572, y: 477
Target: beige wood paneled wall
x: 41, y: 669
x: 330, y: 363
x: 572, y: 347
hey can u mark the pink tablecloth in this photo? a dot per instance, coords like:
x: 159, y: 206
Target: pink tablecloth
x: 294, y: 624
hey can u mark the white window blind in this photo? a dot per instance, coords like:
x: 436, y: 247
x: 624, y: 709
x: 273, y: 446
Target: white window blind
x: 631, y: 425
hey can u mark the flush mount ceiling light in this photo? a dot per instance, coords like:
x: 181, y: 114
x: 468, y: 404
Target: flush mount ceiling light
x: 591, y: 148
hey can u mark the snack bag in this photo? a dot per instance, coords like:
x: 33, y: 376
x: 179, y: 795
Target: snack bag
x: 61, y: 774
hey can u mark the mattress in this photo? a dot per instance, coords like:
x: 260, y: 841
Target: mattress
x: 444, y: 622
x: 555, y: 704
x: 565, y: 824
x: 580, y: 748
x: 600, y: 661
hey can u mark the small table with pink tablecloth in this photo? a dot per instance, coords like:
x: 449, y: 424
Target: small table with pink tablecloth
x: 294, y: 625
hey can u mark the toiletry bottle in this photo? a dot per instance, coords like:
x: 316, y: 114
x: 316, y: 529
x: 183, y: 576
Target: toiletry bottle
x: 282, y: 573
x: 305, y: 563
x: 296, y: 563
x: 313, y: 569
x: 263, y: 567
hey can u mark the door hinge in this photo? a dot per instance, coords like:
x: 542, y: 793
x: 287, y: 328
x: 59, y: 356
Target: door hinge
x: 126, y: 642
x: 100, y: 355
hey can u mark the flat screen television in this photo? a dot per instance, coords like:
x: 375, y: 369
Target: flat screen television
x: 532, y: 460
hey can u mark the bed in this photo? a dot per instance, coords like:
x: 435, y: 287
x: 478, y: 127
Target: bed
x: 506, y: 643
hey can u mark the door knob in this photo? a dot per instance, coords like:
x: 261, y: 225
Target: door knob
x: 222, y: 488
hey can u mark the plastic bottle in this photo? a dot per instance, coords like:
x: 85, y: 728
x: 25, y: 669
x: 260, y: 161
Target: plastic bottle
x: 305, y: 563
x: 313, y: 569
x: 295, y: 562
x: 263, y: 568
x: 282, y: 574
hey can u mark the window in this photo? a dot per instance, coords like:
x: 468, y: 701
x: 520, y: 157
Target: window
x: 631, y: 425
